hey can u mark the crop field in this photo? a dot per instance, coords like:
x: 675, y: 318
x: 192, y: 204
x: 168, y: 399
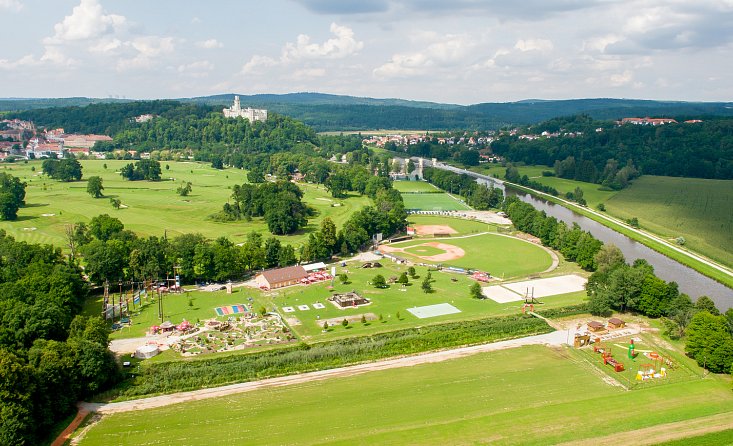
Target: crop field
x: 415, y: 186
x: 516, y: 396
x: 699, y: 210
x: 433, y: 202
x: 152, y: 208
x: 499, y: 255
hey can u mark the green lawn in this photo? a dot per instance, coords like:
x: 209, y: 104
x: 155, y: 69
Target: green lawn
x: 530, y: 396
x: 699, y: 210
x: 722, y: 438
x: 463, y: 226
x: 433, y: 202
x: 499, y: 255
x: 414, y: 186
x: 153, y: 208
x: 423, y: 250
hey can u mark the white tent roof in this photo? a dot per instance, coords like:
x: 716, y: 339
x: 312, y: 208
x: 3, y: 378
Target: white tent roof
x: 314, y: 266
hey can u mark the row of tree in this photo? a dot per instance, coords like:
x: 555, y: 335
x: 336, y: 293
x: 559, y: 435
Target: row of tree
x: 698, y: 150
x: 67, y: 169
x: 478, y: 196
x: 50, y: 357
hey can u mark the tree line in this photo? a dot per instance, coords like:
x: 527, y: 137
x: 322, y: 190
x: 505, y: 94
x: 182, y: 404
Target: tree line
x: 697, y: 150
x: 50, y: 356
x: 478, y: 196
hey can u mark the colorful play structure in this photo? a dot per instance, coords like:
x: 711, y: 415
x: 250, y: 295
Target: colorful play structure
x: 231, y: 309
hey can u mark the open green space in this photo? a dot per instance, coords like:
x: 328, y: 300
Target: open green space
x: 518, y: 396
x: 722, y: 438
x: 415, y: 186
x: 699, y: 210
x: 424, y: 250
x: 152, y: 208
x: 433, y: 202
x: 463, y: 226
x: 501, y: 256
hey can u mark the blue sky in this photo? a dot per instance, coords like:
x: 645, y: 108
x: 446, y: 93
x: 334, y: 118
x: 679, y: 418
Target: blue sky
x: 462, y: 51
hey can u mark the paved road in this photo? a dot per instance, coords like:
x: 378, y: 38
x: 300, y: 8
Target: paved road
x: 555, y: 338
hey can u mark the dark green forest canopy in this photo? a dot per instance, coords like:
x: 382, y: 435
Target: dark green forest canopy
x: 699, y: 150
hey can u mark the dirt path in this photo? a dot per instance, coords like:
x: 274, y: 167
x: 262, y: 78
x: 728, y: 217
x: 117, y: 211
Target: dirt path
x: 63, y: 436
x: 662, y: 433
x: 555, y: 339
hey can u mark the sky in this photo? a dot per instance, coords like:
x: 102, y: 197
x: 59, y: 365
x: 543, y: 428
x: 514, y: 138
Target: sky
x: 462, y: 51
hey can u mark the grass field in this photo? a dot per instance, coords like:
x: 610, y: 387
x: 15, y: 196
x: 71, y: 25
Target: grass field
x: 699, y: 210
x: 415, y: 186
x: 433, y: 202
x: 530, y: 396
x: 499, y: 255
x: 153, y: 208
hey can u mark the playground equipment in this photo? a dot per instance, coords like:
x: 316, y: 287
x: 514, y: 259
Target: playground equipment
x: 632, y: 353
x: 607, y: 357
x: 581, y: 340
x: 527, y: 306
x: 647, y: 371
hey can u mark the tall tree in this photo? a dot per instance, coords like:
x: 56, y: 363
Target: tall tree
x: 95, y: 187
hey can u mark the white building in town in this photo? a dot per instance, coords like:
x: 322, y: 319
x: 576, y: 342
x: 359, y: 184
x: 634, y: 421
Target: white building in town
x: 250, y: 114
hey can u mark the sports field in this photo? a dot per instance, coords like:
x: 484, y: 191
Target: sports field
x: 496, y: 254
x: 518, y: 396
x: 699, y: 210
x: 153, y: 208
x: 433, y: 202
x: 415, y: 186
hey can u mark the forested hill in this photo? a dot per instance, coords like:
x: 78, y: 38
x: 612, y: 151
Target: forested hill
x: 700, y: 150
x: 326, y: 112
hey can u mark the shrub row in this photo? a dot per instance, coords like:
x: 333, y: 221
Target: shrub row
x: 175, y: 376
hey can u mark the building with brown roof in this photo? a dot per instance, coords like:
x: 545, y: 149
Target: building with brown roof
x: 281, y: 277
x: 595, y: 326
x: 615, y: 323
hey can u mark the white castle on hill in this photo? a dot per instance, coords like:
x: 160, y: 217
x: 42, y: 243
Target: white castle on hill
x: 250, y: 114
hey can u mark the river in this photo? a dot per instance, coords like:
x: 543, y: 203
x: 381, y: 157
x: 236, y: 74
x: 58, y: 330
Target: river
x: 690, y: 281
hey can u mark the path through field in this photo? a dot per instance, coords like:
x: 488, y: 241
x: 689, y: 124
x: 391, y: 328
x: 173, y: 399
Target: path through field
x: 662, y: 433
x: 555, y: 338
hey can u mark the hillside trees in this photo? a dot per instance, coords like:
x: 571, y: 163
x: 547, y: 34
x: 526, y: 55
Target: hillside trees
x: 142, y: 170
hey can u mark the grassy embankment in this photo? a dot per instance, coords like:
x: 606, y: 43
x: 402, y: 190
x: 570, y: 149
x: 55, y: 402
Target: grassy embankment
x: 153, y: 208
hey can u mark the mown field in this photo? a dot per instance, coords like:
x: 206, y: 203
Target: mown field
x: 153, y: 208
x: 518, y: 396
x: 699, y: 210
x: 415, y: 186
x: 433, y: 202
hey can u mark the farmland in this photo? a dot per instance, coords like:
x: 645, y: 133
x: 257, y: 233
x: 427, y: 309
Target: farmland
x: 151, y: 208
x: 699, y: 210
x: 517, y: 396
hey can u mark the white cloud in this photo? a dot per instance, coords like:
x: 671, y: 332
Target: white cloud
x: 621, y: 79
x: 534, y: 45
x: 87, y: 21
x: 198, y: 69
x: 343, y: 45
x: 11, y: 5
x: 309, y: 73
x: 55, y: 55
x: 446, y: 51
x: 105, y: 46
x: 209, y: 44
x: 147, y: 49
x: 27, y: 60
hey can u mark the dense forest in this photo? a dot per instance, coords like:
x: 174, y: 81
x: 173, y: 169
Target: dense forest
x: 698, y: 150
x: 50, y: 357
x: 334, y: 113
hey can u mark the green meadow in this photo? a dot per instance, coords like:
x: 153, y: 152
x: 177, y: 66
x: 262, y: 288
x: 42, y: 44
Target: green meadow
x: 531, y: 396
x: 433, y: 202
x: 699, y: 210
x: 152, y: 208
x: 415, y: 186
